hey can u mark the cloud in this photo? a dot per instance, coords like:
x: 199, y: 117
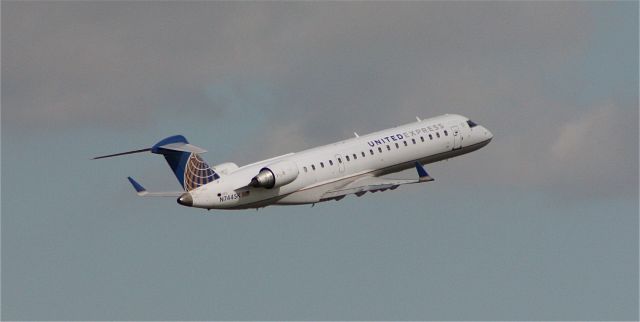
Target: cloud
x: 272, y: 145
x: 596, y: 154
x: 105, y: 64
x: 589, y: 155
x: 275, y: 77
x: 578, y: 138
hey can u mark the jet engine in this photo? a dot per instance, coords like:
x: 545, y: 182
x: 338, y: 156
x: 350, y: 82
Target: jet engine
x: 275, y: 175
x: 225, y: 168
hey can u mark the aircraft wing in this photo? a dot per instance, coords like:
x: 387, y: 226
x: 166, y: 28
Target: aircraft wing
x: 375, y: 184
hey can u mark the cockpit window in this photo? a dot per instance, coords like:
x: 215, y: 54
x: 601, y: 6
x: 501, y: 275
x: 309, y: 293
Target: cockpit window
x: 471, y: 123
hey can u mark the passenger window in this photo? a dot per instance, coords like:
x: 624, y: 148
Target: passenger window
x: 305, y: 169
x: 363, y: 154
x: 422, y: 138
x: 438, y: 134
x: 330, y: 162
x: 371, y: 151
x: 413, y: 140
x: 347, y: 157
x: 380, y: 149
x: 313, y: 167
x: 322, y: 164
x: 405, y: 143
x: 445, y: 133
x: 430, y: 137
x: 388, y: 148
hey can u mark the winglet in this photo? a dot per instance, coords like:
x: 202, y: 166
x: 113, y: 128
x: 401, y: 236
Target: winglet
x: 142, y: 192
x: 422, y: 173
x: 139, y: 188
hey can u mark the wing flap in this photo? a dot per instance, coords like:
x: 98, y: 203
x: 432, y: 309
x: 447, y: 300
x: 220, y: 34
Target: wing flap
x: 374, y: 184
x: 368, y: 184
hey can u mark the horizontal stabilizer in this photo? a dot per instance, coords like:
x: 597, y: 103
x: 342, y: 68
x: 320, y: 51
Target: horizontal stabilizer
x: 142, y: 192
x: 122, y: 153
x: 182, y: 147
x: 176, y: 143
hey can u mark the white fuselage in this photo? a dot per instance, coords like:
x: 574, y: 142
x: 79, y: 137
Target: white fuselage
x: 332, y: 166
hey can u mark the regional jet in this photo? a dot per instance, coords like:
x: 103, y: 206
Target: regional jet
x: 354, y: 166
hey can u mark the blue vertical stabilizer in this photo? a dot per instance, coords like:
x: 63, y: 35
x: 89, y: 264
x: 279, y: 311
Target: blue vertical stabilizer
x: 185, y: 162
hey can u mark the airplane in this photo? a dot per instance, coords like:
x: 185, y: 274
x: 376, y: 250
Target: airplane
x: 330, y: 172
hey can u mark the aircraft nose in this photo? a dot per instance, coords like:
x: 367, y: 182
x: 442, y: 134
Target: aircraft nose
x: 186, y: 199
x: 488, y: 134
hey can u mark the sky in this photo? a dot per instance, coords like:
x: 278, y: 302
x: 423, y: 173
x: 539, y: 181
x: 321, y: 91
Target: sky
x: 542, y: 224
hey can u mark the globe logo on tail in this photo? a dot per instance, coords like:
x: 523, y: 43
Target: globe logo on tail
x: 197, y: 173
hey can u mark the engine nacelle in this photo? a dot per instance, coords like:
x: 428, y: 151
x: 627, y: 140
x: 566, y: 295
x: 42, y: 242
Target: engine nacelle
x: 225, y: 168
x: 275, y: 175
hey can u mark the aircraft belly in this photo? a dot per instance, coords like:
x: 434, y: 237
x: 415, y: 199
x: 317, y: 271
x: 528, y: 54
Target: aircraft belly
x: 303, y: 197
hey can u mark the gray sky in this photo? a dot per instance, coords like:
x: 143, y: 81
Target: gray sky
x: 540, y: 224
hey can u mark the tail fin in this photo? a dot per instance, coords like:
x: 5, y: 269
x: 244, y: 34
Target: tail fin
x: 184, y: 159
